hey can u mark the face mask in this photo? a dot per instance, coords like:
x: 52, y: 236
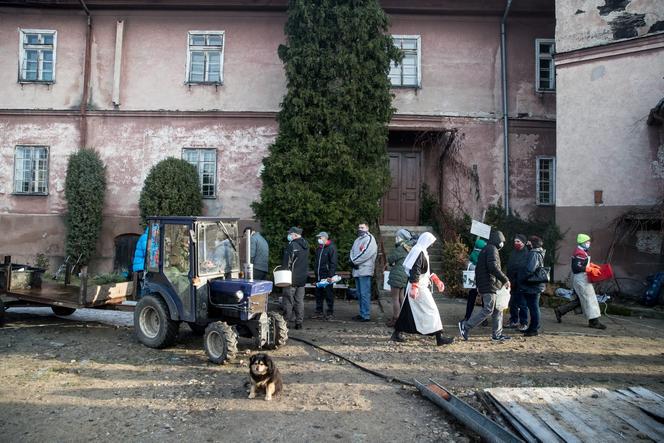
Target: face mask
x: 518, y: 246
x: 500, y: 245
x: 361, y: 232
x: 321, y: 241
x: 586, y: 246
x: 289, y: 237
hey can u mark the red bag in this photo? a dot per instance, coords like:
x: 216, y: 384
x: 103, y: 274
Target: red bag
x: 598, y: 273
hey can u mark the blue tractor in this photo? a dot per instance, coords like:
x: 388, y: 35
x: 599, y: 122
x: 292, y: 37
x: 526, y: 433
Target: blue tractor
x: 191, y: 274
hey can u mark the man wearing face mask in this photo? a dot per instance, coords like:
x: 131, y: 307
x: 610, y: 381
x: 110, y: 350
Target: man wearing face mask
x: 325, y: 267
x: 585, y: 291
x: 515, y: 264
x: 295, y: 258
x: 489, y: 279
x: 362, y: 259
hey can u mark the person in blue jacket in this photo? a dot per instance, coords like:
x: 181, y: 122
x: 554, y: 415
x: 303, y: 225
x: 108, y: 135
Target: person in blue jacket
x: 138, y: 264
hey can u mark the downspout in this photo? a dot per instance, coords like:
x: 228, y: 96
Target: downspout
x: 503, y: 76
x: 86, y: 77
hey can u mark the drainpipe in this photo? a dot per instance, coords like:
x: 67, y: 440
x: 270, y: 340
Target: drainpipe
x: 503, y: 76
x: 86, y: 77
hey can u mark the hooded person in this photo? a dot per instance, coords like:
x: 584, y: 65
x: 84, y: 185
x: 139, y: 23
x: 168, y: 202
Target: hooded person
x: 295, y: 258
x: 515, y: 264
x: 398, y: 279
x: 530, y: 291
x: 419, y: 313
x: 489, y: 278
x: 584, y: 290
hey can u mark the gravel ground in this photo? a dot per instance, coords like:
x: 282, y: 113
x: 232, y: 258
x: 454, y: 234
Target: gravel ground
x: 86, y: 377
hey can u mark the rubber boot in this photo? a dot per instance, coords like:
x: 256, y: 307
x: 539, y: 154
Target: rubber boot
x: 595, y: 324
x: 564, y: 309
x: 442, y: 340
x: 397, y: 336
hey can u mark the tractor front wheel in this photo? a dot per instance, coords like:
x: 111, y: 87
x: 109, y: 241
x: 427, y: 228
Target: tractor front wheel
x: 220, y: 342
x: 152, y: 323
x: 278, y: 331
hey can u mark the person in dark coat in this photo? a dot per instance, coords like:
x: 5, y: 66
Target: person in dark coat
x: 325, y: 267
x: 489, y: 279
x: 532, y: 291
x: 295, y: 258
x: 398, y: 278
x: 515, y: 264
x: 259, y: 253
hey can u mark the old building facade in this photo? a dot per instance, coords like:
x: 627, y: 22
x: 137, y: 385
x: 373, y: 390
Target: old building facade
x: 201, y: 80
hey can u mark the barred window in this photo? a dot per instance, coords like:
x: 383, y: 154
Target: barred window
x: 407, y: 72
x: 545, y: 71
x: 205, y: 58
x: 546, y: 181
x: 205, y: 162
x: 37, y: 56
x: 31, y: 170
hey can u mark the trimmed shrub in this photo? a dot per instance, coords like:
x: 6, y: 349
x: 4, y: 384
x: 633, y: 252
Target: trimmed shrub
x: 455, y: 259
x: 171, y: 188
x: 85, y: 186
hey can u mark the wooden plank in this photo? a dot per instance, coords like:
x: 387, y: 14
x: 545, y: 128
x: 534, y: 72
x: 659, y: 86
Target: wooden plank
x: 632, y: 415
x: 647, y: 405
x: 522, y: 430
x: 647, y: 393
x: 534, y: 424
x: 547, y: 415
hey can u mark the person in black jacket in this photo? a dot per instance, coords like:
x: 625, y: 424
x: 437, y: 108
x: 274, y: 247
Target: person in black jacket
x: 489, y: 278
x: 295, y: 258
x: 515, y: 265
x: 532, y: 291
x: 325, y: 267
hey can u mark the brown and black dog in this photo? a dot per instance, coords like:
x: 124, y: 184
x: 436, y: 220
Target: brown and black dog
x: 264, y: 376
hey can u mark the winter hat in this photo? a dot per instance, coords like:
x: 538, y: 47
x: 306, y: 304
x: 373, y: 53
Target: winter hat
x: 521, y: 238
x: 582, y: 238
x: 322, y: 234
x: 404, y: 234
x: 295, y: 230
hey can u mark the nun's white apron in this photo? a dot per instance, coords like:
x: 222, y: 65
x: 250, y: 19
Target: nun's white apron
x: 424, y: 309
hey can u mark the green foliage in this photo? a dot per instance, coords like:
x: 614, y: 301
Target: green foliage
x: 428, y: 205
x: 171, y: 188
x: 104, y: 279
x: 328, y: 167
x: 42, y: 261
x: 455, y: 259
x: 85, y: 187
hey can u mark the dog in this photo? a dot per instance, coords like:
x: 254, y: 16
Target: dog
x: 264, y: 376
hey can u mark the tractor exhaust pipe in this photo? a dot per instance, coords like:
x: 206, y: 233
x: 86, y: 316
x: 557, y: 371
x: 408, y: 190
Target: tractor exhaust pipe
x: 248, y: 267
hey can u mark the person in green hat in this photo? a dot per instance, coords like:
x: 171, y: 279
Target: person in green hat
x: 584, y: 290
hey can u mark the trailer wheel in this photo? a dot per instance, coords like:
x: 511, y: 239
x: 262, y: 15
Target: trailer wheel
x: 152, y: 323
x: 62, y: 310
x: 278, y: 330
x: 196, y: 329
x: 220, y: 342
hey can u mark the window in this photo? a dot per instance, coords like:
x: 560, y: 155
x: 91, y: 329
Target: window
x: 31, y: 170
x: 546, y: 180
x: 407, y: 73
x: 205, y: 59
x: 37, y: 56
x: 205, y: 162
x: 545, y: 76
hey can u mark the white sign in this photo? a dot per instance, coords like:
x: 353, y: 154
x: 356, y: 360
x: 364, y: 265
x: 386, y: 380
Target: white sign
x: 480, y: 229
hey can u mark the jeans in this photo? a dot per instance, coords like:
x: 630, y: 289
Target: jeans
x: 489, y: 301
x: 533, y: 306
x: 518, y: 308
x: 293, y: 300
x: 363, y: 285
x: 326, y: 293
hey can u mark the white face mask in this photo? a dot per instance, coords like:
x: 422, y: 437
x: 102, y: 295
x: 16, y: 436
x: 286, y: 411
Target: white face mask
x: 321, y: 241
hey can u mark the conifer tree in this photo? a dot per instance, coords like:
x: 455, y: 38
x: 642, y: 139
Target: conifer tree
x: 328, y: 167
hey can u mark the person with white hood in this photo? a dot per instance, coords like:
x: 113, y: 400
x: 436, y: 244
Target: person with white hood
x: 419, y: 313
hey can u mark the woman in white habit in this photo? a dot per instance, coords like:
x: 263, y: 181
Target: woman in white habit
x: 419, y: 313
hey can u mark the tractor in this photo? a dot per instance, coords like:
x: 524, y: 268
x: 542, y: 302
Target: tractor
x: 192, y: 265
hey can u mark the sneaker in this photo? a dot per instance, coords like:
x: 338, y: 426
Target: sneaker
x: 559, y: 315
x: 360, y: 318
x: 595, y: 324
x: 442, y: 340
x: 318, y: 316
x: 329, y: 317
x: 530, y: 333
x: 463, y: 332
x: 522, y: 328
x: 398, y: 337
x: 501, y: 338
x: 512, y: 325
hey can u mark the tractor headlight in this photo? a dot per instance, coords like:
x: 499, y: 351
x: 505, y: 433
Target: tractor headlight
x: 239, y: 295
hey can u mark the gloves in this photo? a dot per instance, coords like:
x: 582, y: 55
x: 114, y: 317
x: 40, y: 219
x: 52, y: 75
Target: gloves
x: 438, y: 282
x: 414, y: 290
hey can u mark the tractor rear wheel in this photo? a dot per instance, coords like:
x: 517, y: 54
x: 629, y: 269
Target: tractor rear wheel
x: 278, y: 331
x: 220, y: 342
x: 152, y: 323
x: 62, y: 310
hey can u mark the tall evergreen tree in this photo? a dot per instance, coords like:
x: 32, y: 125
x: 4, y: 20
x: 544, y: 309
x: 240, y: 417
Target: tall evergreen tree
x: 328, y: 166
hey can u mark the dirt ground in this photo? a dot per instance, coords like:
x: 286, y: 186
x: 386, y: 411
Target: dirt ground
x: 86, y: 377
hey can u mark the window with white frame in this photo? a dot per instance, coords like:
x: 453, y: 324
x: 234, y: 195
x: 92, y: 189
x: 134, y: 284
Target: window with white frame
x: 407, y: 73
x: 545, y: 72
x: 31, y: 170
x: 205, y: 162
x: 205, y: 57
x: 546, y: 180
x: 37, y: 56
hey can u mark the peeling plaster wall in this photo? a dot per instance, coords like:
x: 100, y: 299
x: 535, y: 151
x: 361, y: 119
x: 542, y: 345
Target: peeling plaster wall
x: 582, y: 24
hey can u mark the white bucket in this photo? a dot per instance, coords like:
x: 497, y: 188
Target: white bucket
x: 282, y: 278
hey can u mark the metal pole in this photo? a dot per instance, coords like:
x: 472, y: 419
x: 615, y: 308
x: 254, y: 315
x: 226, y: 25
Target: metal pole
x: 503, y: 75
x: 248, y: 267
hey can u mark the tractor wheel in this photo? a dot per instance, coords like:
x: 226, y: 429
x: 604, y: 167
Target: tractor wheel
x: 196, y: 329
x: 278, y: 330
x: 220, y: 342
x: 152, y: 323
x: 62, y: 310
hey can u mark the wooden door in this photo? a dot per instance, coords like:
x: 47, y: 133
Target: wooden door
x: 401, y: 203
